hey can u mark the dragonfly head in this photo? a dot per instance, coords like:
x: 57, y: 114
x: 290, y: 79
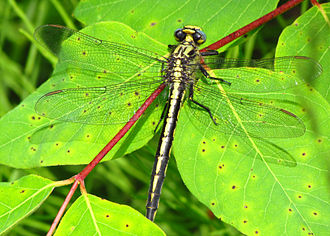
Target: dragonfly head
x: 190, y: 33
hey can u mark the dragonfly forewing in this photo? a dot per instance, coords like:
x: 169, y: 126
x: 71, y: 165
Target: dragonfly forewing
x: 86, y: 52
x: 264, y: 75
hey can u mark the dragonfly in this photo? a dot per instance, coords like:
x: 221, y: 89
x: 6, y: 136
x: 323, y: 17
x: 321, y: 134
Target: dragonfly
x: 129, y: 75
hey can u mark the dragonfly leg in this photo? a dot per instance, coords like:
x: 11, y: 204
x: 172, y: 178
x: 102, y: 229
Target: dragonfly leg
x: 210, y: 53
x: 161, y: 116
x: 207, y: 75
x: 191, y: 97
x: 171, y: 47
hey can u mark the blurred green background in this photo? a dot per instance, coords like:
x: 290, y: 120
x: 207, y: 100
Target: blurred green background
x: 23, y: 69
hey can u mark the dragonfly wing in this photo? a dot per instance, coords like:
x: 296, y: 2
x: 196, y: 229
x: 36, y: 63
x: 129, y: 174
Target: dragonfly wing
x: 238, y: 115
x: 264, y: 75
x: 86, y: 52
x: 97, y: 105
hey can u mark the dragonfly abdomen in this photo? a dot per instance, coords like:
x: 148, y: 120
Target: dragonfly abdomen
x: 177, y: 93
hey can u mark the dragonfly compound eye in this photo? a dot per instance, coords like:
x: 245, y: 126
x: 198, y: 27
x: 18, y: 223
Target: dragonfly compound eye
x: 199, y: 37
x: 179, y: 35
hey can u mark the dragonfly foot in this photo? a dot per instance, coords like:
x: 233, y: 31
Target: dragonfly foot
x: 221, y: 80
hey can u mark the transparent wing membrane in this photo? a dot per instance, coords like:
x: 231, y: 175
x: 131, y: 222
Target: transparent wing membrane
x: 87, y: 52
x: 239, y: 115
x: 121, y: 77
x: 99, y: 105
x: 264, y: 75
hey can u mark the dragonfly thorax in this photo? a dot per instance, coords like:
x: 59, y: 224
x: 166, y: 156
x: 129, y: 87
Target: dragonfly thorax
x: 185, y: 56
x: 182, y: 64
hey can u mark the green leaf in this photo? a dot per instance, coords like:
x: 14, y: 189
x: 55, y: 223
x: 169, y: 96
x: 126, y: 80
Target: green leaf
x: 160, y: 19
x: 232, y: 174
x: 20, y: 198
x: 52, y: 142
x: 309, y: 35
x: 90, y: 215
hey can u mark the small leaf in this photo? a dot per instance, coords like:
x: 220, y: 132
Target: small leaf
x: 20, y: 198
x: 309, y: 36
x: 90, y: 215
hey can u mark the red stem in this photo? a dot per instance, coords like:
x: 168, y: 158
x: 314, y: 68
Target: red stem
x: 238, y: 33
x: 62, y: 209
x: 79, y: 178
